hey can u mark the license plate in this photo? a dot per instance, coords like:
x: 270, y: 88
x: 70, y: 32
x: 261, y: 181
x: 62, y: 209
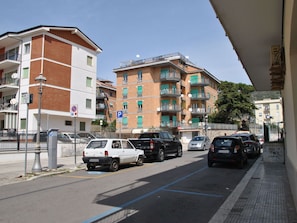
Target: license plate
x: 223, y: 151
x: 94, y: 160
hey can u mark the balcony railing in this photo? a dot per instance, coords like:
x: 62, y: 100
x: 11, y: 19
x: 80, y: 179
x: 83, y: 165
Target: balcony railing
x: 170, y: 92
x: 9, y: 60
x: 170, y: 124
x: 170, y: 77
x: 199, y: 96
x: 7, y: 107
x: 199, y: 110
x: 200, y: 83
x: 170, y: 108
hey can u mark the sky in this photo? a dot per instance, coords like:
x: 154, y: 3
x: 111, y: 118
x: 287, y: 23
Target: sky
x: 136, y: 29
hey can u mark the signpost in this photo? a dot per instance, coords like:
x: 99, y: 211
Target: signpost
x: 119, y: 117
x: 73, y: 112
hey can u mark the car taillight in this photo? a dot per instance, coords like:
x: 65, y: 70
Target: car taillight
x: 236, y: 148
x: 152, y: 144
x: 105, y: 153
x: 211, y: 148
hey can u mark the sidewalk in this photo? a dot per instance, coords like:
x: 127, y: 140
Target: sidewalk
x: 12, y: 166
x: 263, y: 195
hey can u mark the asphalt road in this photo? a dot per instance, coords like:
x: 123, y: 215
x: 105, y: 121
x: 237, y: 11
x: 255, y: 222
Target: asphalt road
x: 176, y: 190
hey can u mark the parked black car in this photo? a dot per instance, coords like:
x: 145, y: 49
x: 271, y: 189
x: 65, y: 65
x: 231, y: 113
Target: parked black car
x: 227, y: 149
x: 253, y: 146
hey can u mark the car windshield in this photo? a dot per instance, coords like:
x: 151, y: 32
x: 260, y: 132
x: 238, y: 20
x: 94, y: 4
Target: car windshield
x: 223, y: 142
x: 97, y: 144
x: 199, y: 138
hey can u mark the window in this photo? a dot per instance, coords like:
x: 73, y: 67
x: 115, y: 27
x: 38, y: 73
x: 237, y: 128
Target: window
x: 139, y: 104
x: 125, y: 107
x: 89, y: 60
x: 125, y: 121
x: 89, y: 82
x: 116, y: 144
x: 82, y: 126
x: 125, y: 92
x: 139, y: 91
x: 67, y: 122
x: 27, y: 48
x: 164, y: 73
x: 88, y: 103
x: 12, y: 54
x: 126, y: 144
x: 139, y: 121
x: 23, y: 123
x: 25, y: 73
x: 139, y: 76
x: 125, y: 78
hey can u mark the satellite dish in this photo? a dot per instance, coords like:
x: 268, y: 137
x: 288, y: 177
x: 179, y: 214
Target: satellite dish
x: 13, y: 101
x: 15, y: 75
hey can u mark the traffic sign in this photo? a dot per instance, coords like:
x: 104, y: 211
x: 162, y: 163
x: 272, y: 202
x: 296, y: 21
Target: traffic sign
x: 73, y: 111
x: 119, y: 114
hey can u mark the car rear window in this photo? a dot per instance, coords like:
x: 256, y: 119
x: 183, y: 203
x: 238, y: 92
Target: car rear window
x: 149, y: 135
x: 97, y: 144
x: 198, y: 139
x: 223, y: 142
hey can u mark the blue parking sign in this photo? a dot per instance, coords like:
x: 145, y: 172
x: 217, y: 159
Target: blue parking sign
x: 119, y: 114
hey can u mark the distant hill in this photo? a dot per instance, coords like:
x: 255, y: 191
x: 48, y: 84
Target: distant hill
x: 260, y: 95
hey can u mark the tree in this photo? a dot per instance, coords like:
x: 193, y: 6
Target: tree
x: 234, y: 103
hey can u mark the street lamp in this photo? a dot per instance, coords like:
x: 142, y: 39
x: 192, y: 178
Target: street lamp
x: 37, y: 166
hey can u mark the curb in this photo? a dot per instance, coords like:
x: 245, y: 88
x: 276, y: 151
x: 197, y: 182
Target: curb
x: 223, y: 212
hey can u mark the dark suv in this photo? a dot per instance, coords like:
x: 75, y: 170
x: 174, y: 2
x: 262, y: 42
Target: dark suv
x: 227, y: 149
x: 253, y: 146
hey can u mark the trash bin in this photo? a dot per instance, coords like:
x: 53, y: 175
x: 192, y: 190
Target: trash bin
x: 52, y: 148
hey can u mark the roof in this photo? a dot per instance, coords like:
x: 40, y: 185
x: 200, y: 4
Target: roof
x: 252, y: 27
x: 11, y: 37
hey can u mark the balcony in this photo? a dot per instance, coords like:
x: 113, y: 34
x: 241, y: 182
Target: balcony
x: 170, y: 124
x: 199, y: 96
x: 170, y: 93
x: 8, y: 108
x: 100, y: 106
x: 101, y: 95
x: 199, y: 83
x: 198, y: 111
x: 170, y: 77
x: 7, y: 84
x: 171, y: 108
x: 7, y: 61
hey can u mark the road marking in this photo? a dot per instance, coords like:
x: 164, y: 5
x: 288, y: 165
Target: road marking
x: 195, y: 193
x: 123, y: 206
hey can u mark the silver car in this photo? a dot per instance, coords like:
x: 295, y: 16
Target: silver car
x: 199, y: 143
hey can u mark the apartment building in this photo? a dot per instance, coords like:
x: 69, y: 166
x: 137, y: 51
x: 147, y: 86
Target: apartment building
x: 67, y: 59
x: 269, y: 111
x: 164, y: 92
x: 105, y: 101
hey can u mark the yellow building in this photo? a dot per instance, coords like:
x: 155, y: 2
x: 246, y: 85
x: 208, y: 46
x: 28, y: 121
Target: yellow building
x: 167, y: 91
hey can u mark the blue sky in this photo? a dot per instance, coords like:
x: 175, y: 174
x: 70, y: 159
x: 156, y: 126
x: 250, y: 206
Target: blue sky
x: 126, y: 28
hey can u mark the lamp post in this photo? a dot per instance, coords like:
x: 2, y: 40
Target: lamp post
x: 37, y: 166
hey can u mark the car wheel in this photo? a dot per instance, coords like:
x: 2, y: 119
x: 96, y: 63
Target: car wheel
x: 140, y: 161
x: 90, y: 167
x: 114, y: 166
x: 161, y: 155
x: 241, y: 163
x: 179, y: 151
x: 209, y: 163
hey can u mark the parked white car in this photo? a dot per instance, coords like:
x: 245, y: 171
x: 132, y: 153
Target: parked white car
x: 112, y: 153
